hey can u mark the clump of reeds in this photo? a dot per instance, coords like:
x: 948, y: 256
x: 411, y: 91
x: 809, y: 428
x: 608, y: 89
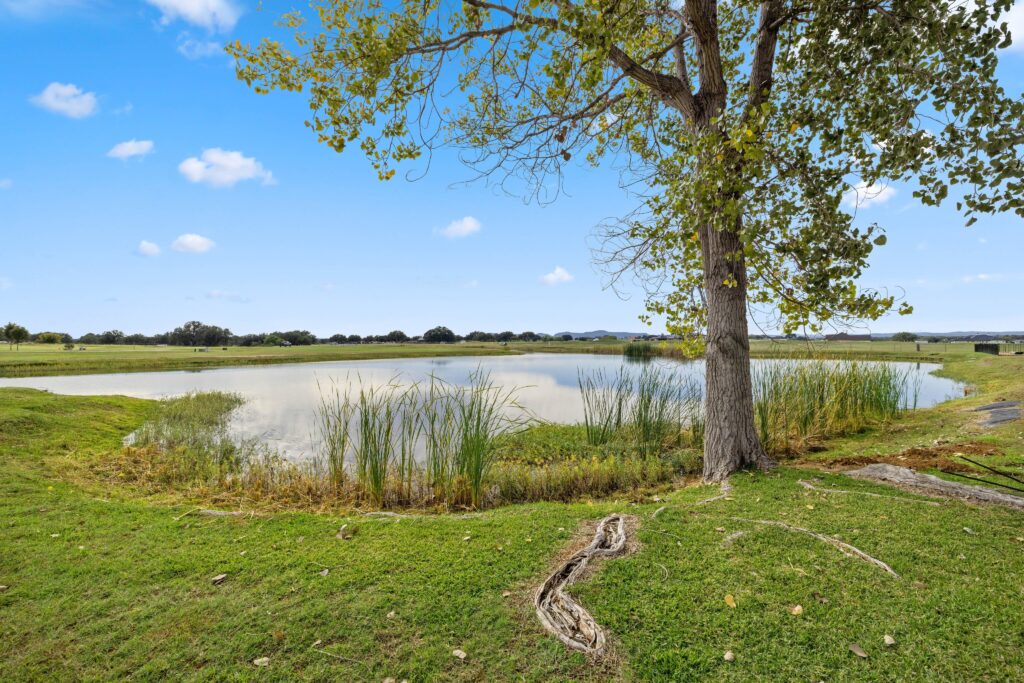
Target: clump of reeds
x: 652, y: 409
x: 639, y: 349
x: 605, y: 400
x: 453, y: 427
x: 798, y: 402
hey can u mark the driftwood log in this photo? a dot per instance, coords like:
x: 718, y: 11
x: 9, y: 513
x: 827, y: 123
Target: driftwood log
x: 558, y: 612
x: 905, y: 478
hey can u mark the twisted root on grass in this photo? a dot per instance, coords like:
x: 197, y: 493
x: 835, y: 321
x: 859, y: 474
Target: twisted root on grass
x: 845, y: 548
x: 558, y: 612
x: 808, y: 485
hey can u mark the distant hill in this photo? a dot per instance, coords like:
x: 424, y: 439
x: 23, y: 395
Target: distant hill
x: 604, y: 333
x: 971, y: 333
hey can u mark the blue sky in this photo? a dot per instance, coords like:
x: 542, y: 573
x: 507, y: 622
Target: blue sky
x: 250, y: 224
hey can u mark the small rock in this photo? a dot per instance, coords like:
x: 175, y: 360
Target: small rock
x: 796, y: 610
x: 858, y: 650
x: 889, y: 640
x: 504, y: 594
x: 729, y: 656
x: 391, y: 614
x: 261, y: 661
x: 219, y: 579
x: 466, y: 538
x: 242, y: 554
x: 459, y: 654
x: 969, y: 530
x: 324, y: 572
x: 317, y: 642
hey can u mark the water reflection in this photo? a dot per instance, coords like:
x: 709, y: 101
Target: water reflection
x: 281, y: 400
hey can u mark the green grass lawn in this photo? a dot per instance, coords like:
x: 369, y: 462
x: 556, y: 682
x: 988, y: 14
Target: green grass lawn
x: 105, y: 582
x: 51, y: 359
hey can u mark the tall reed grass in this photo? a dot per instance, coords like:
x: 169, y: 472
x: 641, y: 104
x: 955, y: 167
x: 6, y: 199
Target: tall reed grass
x: 798, y: 402
x: 652, y: 409
x: 452, y: 427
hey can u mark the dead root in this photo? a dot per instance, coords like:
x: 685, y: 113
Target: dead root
x: 843, y: 547
x: 808, y: 485
x: 904, y: 478
x: 558, y: 612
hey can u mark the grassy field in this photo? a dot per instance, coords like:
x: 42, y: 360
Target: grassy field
x: 105, y: 581
x: 51, y: 359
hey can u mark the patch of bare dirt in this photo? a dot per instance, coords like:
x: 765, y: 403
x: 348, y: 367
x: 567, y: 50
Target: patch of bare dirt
x: 918, y: 458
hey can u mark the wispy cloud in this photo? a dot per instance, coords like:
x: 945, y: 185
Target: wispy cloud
x: 193, y: 48
x: 463, y: 227
x: 223, y: 168
x: 66, y: 99
x: 131, y: 148
x: 992, y: 278
x: 213, y: 15
x: 147, y: 248
x: 192, y: 243
x: 6, y: 183
x: 556, y: 276
x: 864, y: 195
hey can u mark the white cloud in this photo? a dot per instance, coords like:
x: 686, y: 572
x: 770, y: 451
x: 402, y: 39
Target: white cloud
x: 192, y: 243
x: 222, y: 168
x: 556, y: 276
x: 213, y: 15
x: 863, y: 195
x: 463, y: 227
x: 1015, y: 20
x: 198, y: 49
x: 992, y: 278
x: 66, y: 99
x: 6, y: 183
x: 147, y: 248
x: 131, y: 148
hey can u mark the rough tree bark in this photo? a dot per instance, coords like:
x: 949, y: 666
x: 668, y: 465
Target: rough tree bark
x: 730, y: 440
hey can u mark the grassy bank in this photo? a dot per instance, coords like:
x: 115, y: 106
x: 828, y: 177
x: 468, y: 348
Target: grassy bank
x: 105, y: 584
x: 36, y: 360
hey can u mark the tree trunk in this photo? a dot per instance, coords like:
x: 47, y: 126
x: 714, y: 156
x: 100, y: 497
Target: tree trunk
x: 730, y: 440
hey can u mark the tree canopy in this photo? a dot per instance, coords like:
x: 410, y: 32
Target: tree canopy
x: 771, y: 119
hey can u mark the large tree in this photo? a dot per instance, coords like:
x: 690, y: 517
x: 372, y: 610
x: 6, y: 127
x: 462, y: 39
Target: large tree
x: 745, y: 124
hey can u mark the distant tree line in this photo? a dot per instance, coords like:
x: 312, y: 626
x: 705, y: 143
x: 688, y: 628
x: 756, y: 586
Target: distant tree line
x: 196, y: 333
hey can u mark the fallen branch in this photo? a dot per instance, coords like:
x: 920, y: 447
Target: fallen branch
x: 926, y: 483
x: 812, y: 487
x: 562, y: 616
x: 843, y: 547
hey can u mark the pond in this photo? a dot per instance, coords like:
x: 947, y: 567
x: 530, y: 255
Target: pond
x: 282, y: 400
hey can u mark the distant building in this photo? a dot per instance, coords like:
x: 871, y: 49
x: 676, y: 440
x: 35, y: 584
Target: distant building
x: 843, y: 336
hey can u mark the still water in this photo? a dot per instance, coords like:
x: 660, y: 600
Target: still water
x: 281, y: 400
